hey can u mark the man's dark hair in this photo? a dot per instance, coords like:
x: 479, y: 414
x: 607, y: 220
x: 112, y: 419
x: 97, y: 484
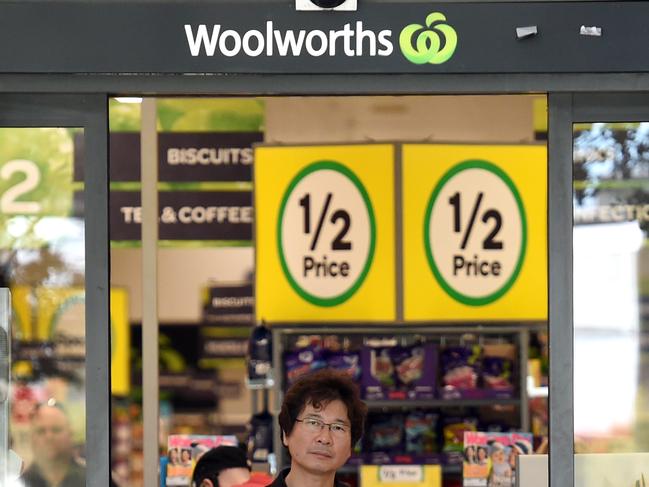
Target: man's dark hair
x: 212, y: 462
x: 319, y: 389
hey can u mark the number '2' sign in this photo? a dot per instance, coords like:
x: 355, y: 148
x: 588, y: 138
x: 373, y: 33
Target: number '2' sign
x: 12, y: 201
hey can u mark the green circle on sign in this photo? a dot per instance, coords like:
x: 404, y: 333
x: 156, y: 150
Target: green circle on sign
x: 345, y: 171
x: 463, y: 298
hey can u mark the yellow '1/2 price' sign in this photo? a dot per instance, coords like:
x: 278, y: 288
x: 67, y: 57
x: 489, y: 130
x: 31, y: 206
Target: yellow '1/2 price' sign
x: 475, y: 231
x: 324, y: 234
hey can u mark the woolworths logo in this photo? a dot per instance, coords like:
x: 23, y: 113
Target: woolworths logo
x: 434, y: 44
x: 350, y: 41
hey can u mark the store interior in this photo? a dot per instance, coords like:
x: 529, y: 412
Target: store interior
x: 184, y: 272
x: 205, y: 381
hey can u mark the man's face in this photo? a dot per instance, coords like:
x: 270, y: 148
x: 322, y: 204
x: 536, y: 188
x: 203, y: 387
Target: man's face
x: 51, y: 435
x: 320, y: 451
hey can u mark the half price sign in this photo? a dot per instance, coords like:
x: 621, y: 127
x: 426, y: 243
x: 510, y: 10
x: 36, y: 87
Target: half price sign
x: 325, y: 233
x: 475, y: 232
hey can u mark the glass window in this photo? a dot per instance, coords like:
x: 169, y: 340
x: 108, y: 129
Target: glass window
x: 611, y: 288
x: 42, y: 262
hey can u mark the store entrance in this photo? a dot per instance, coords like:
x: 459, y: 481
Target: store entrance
x: 213, y: 268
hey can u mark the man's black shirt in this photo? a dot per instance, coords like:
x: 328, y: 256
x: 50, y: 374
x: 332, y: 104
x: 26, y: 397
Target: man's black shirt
x: 280, y: 480
x: 75, y: 477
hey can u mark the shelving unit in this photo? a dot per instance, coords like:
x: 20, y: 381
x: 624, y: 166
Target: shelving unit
x: 439, y: 403
x: 518, y: 333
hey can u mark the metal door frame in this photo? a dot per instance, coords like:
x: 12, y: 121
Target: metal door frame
x: 89, y: 111
x: 564, y: 111
x: 568, y: 102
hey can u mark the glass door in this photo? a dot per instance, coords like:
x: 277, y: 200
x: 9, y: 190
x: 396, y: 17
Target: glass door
x: 601, y: 399
x: 54, y: 265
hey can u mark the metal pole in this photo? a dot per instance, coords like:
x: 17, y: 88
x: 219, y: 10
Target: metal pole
x: 97, y: 292
x: 5, y: 379
x: 150, y: 403
x: 561, y: 424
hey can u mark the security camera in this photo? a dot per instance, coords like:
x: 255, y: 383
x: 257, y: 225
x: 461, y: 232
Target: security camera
x: 326, y: 5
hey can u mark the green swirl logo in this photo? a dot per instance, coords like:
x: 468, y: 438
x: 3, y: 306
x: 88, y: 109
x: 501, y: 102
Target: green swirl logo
x: 434, y: 45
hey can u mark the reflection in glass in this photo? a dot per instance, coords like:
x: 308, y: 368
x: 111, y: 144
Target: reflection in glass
x: 42, y: 261
x: 611, y: 287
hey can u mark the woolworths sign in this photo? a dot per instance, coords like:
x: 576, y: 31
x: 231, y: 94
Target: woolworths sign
x: 433, y: 42
x: 270, y: 37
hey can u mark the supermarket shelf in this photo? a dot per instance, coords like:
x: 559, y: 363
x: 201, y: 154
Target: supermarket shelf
x: 260, y: 385
x: 406, y: 328
x: 285, y: 333
x: 440, y: 403
x: 453, y: 469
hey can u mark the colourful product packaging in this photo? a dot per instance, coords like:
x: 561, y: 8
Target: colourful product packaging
x: 303, y: 361
x: 399, y: 372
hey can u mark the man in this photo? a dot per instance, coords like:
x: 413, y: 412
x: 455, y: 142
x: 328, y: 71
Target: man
x: 226, y: 466
x: 53, y: 464
x: 321, y: 419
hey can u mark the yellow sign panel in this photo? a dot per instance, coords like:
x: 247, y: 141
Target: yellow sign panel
x: 22, y: 312
x: 120, y: 347
x: 324, y: 234
x: 401, y: 476
x: 60, y: 317
x: 475, y: 232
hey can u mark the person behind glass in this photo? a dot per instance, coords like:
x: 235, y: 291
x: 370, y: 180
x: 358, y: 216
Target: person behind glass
x: 321, y: 419
x: 226, y: 466
x: 54, y: 464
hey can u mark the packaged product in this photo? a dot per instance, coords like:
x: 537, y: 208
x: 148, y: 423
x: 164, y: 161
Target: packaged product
x: 399, y: 372
x: 453, y: 430
x: 460, y: 371
x: 421, y: 433
x: 385, y: 432
x: 302, y: 361
x: 498, y: 370
x: 346, y: 361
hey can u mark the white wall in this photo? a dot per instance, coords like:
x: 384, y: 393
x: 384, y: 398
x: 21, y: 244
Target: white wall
x: 410, y: 118
x: 182, y: 273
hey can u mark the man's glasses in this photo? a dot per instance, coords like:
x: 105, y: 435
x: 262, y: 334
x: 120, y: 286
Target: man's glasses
x: 315, y: 425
